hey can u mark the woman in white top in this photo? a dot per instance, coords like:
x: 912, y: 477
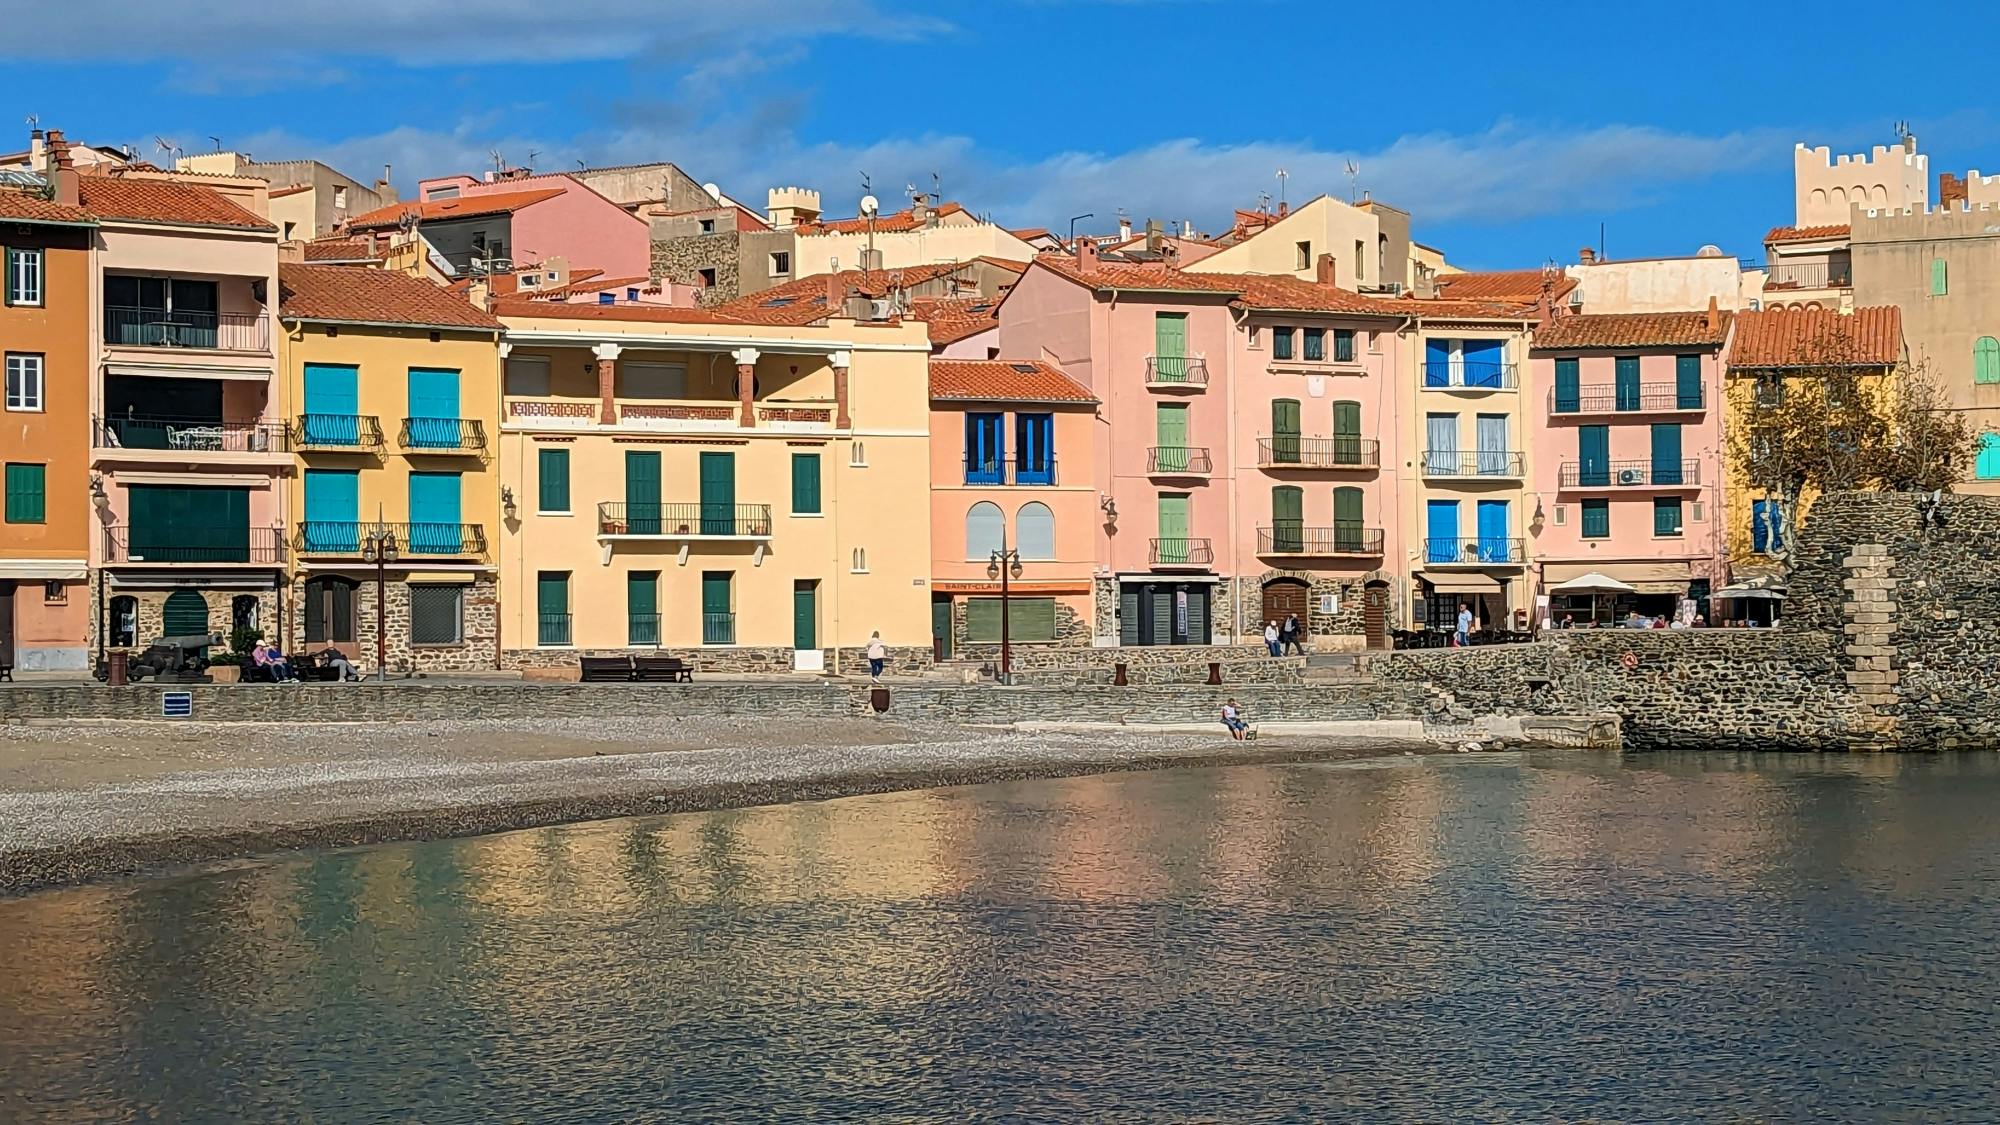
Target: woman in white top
x: 878, y: 655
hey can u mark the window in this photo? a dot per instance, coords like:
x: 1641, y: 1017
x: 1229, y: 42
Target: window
x: 781, y: 263
x: 1625, y: 373
x: 1315, y: 343
x: 1305, y: 252
x: 55, y: 592
x: 1667, y: 515
x: 1035, y: 531
x: 340, y: 195
x: 552, y: 607
x: 24, y: 276
x: 1765, y: 534
x: 27, y: 486
x: 708, y: 226
x: 985, y: 527
x: 1770, y: 390
x: 437, y: 615
x: 607, y: 298
x: 448, y: 192
x: 859, y: 563
x: 1343, y: 345
x: 707, y: 277
x: 1596, y: 519
x: 1939, y: 284
x: 1281, y: 343
x: 528, y: 375
x: 805, y: 484
x: 1988, y: 465
x: 552, y: 467
x: 642, y: 607
x: 1029, y: 620
x: 857, y: 455
x: 24, y: 381
x: 1360, y: 260
x: 289, y: 227
x: 632, y: 295
x: 1985, y: 360
x: 651, y: 380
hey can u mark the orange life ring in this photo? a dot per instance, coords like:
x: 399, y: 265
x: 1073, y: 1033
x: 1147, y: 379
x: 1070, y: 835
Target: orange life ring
x: 1630, y: 660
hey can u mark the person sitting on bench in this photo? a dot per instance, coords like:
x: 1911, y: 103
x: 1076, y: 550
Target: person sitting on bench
x: 271, y: 660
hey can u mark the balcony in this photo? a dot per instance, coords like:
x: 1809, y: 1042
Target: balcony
x: 1469, y: 376
x: 1340, y: 453
x: 552, y: 629
x: 1489, y: 464
x: 1177, y: 461
x: 1630, y: 474
x: 178, y: 545
x: 411, y: 540
x: 183, y: 435
x: 128, y: 326
x: 1299, y: 540
x: 1181, y: 552
x: 1808, y: 275
x: 1016, y: 472
x: 718, y: 628
x: 337, y: 433
x: 804, y: 416
x: 1480, y: 550
x: 1608, y: 398
x: 443, y: 435
x: 745, y: 522
x: 1176, y: 372
x: 642, y: 628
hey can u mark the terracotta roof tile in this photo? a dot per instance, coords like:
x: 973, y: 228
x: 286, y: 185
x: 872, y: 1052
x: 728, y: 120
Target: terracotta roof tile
x: 1524, y: 286
x: 339, y: 250
x: 1290, y: 294
x: 580, y: 285
x: 951, y: 319
x: 164, y: 201
x: 350, y: 294
x: 465, y: 206
x: 522, y: 307
x: 904, y: 220
x: 1867, y: 337
x: 1633, y: 330
x: 1002, y: 380
x: 1803, y: 234
x: 804, y: 301
x: 23, y: 206
x: 1150, y: 277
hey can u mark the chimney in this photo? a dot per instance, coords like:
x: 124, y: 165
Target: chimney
x: 1086, y: 254
x: 1714, y: 320
x: 1586, y: 255
x: 835, y: 291
x: 1124, y: 229
x: 480, y: 293
x: 1951, y: 191
x: 1325, y: 268
x: 1172, y: 253
x: 62, y: 175
x: 293, y: 251
x: 920, y: 209
x: 371, y: 244
x: 1155, y: 239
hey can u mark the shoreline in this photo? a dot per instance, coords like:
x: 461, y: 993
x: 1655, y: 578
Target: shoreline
x: 74, y: 815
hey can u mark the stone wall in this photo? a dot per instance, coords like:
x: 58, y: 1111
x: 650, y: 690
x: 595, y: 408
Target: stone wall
x: 151, y: 604
x: 722, y: 659
x: 479, y: 628
x: 680, y: 259
x: 1072, y: 633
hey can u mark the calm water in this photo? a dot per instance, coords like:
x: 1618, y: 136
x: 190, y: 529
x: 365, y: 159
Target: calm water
x: 1567, y: 937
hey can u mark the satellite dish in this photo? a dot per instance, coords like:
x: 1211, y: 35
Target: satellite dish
x: 713, y: 191
x: 870, y: 205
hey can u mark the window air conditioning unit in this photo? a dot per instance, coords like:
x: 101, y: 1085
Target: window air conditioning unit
x: 1631, y: 476
x: 880, y: 310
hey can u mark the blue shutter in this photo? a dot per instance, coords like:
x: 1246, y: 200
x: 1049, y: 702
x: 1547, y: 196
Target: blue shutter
x: 1988, y: 466
x: 1485, y: 363
x: 333, y: 504
x: 1034, y: 458
x: 1493, y: 545
x: 985, y: 449
x: 1568, y: 392
x: 1437, y: 363
x: 434, y: 513
x: 1627, y: 377
x: 1593, y: 448
x: 1441, y: 531
x: 1667, y: 453
x: 333, y: 399
x: 433, y: 408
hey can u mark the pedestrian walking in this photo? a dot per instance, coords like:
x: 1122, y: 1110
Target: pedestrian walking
x: 1271, y: 637
x: 878, y: 655
x: 1292, y: 637
x: 1464, y: 634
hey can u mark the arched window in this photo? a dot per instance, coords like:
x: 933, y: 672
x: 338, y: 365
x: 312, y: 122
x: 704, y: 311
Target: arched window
x: 1840, y: 198
x: 1986, y: 360
x: 1035, y: 531
x: 985, y: 527
x: 124, y: 627
x: 329, y: 611
x: 860, y: 561
x: 185, y: 614
x: 242, y: 618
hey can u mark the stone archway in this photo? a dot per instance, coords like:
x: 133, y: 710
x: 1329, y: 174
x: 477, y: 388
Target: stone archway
x: 1287, y: 594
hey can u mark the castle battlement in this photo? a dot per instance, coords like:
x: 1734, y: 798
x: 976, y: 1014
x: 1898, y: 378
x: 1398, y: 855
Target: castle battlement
x: 1908, y: 224
x: 1826, y: 188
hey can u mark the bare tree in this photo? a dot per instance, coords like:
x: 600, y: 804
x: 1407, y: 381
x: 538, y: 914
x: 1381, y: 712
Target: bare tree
x: 1931, y: 443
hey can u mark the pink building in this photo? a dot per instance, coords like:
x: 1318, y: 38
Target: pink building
x: 520, y: 220
x: 1626, y: 421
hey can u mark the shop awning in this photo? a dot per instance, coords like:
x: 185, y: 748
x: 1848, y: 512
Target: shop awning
x: 189, y: 371
x: 1461, y: 583
x: 44, y: 570
x: 1643, y: 577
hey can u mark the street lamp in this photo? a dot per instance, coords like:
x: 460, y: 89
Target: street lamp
x: 1004, y: 564
x: 380, y: 548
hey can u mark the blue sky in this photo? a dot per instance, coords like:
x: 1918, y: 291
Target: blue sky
x: 1509, y: 134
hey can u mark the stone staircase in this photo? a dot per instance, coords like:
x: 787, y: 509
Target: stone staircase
x: 1336, y: 668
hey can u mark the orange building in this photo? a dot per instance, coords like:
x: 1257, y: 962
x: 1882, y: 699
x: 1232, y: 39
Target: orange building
x: 45, y: 340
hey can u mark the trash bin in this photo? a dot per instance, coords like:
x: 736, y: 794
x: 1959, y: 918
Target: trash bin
x: 115, y: 668
x: 878, y: 698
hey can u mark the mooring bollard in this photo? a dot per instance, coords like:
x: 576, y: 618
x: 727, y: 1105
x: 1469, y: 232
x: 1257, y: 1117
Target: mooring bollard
x: 1118, y: 674
x: 878, y: 698
x: 1214, y: 673
x: 115, y: 668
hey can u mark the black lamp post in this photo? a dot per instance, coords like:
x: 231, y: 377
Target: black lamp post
x: 380, y: 548
x: 1004, y: 564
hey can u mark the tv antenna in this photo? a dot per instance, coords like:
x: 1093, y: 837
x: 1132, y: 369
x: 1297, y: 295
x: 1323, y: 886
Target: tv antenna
x: 1902, y: 130
x: 532, y: 153
x: 1282, y: 177
x: 34, y: 121
x: 937, y: 189
x: 499, y: 163
x: 1353, y: 181
x: 217, y: 140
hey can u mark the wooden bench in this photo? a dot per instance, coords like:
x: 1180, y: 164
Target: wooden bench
x: 662, y: 670
x: 600, y: 669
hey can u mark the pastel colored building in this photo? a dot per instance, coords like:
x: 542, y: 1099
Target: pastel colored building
x: 746, y: 487
x: 1626, y: 423
x: 1011, y: 470
x: 518, y: 219
x: 394, y: 389
x: 45, y: 356
x: 308, y: 198
x: 188, y: 436
x: 1368, y: 242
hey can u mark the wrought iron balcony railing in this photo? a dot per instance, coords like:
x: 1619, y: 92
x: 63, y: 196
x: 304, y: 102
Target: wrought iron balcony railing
x: 1176, y: 371
x: 1298, y: 539
x: 130, y: 327
x: 406, y: 540
x: 1629, y: 474
x: 353, y: 433
x: 1481, y: 463
x: 1021, y: 471
x: 1469, y: 375
x: 1608, y: 398
x: 1287, y: 451
x: 184, y: 435
x: 1178, y: 460
x: 685, y: 521
x: 1477, y: 550
x: 444, y: 435
x: 1182, y: 552
x: 179, y: 543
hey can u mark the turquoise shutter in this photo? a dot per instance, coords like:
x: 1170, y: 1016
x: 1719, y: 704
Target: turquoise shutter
x: 1568, y: 393
x: 1627, y: 376
x: 434, y: 514
x: 333, y: 501
x: 1593, y: 444
x: 1667, y: 453
x: 433, y: 408
x: 805, y: 484
x: 1687, y: 382
x: 333, y: 400
x: 553, y: 476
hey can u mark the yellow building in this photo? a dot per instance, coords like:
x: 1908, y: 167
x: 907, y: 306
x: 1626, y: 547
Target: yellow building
x: 394, y: 389
x: 746, y: 487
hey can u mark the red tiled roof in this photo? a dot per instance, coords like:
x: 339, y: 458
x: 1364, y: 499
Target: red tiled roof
x: 1633, y: 330
x: 804, y: 301
x: 23, y: 207
x: 580, y: 285
x: 1805, y: 234
x: 339, y: 250
x: 1004, y: 380
x: 1026, y: 233
x: 466, y: 206
x: 164, y: 201
x: 1524, y: 286
x: 352, y: 295
x: 1152, y: 277
x: 903, y: 220
x: 951, y: 319
x: 557, y: 310
x: 1284, y: 293
x: 1867, y: 337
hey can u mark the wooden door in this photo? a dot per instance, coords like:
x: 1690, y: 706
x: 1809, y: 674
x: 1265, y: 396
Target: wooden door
x: 7, y: 623
x: 1375, y: 616
x: 1284, y: 597
x: 642, y: 492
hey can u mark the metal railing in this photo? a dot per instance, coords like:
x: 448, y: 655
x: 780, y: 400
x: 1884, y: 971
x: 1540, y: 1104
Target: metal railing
x: 1176, y: 371
x: 444, y: 435
x: 1629, y: 474
x: 337, y: 431
x: 718, y: 628
x: 182, y: 544
x: 642, y: 628
x: 1480, y: 463
x: 349, y: 537
x: 1178, y: 460
x: 1181, y: 552
x: 679, y: 521
x: 188, y: 435
x: 1609, y: 398
x: 1476, y: 550
x: 1298, y: 539
x: 1010, y: 470
x: 131, y: 327
x: 1337, y: 452
x: 1469, y: 375
x: 1808, y: 275
x: 552, y: 629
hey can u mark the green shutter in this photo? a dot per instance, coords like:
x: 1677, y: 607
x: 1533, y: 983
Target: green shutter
x: 1285, y: 431
x: 1128, y: 615
x: 554, y: 475
x: 982, y: 620
x: 1568, y: 394
x: 1687, y: 382
x: 7, y: 275
x: 185, y: 614
x: 1347, y: 433
x: 1287, y: 518
x: 1938, y: 279
x: 805, y: 483
x: 552, y: 607
x: 805, y: 614
x: 1029, y: 620
x: 642, y: 607
x: 1596, y: 519
x: 1347, y: 520
x: 27, y: 493
x: 1986, y: 360
x: 715, y: 591
x: 1666, y: 515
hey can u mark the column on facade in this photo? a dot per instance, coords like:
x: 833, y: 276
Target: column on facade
x: 607, y: 381
x: 840, y: 362
x: 746, y: 383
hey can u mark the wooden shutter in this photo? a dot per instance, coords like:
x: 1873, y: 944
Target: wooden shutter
x: 982, y: 620
x: 1568, y: 392
x: 1687, y: 382
x: 27, y: 499
x: 1128, y: 615
x: 805, y: 483
x: 553, y: 475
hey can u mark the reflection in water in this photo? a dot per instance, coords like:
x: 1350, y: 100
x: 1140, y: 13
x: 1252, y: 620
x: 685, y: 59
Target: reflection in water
x: 1563, y: 937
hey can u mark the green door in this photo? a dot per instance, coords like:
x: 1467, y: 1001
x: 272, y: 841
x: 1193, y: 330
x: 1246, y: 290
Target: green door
x: 1170, y: 428
x: 718, y: 494
x: 1173, y: 545
x: 805, y: 614
x: 1288, y: 522
x: 642, y: 492
x: 642, y: 607
x: 552, y: 607
x: 1347, y: 434
x: 718, y: 624
x: 1285, y: 431
x: 1169, y: 347
x: 1347, y: 533
x: 941, y: 626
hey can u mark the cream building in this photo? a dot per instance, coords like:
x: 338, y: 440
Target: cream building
x: 1369, y: 241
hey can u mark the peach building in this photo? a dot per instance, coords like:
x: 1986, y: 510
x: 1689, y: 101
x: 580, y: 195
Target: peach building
x: 518, y: 219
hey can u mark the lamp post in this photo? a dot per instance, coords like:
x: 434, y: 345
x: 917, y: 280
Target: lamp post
x: 1004, y: 564
x: 380, y: 548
